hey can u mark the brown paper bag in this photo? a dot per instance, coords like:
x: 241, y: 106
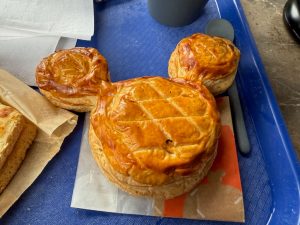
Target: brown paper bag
x: 53, y: 123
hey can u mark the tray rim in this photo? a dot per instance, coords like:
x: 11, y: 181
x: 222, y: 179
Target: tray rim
x: 289, y: 150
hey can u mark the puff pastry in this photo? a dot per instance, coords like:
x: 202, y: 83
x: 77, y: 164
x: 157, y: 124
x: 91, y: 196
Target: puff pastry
x: 16, y: 157
x: 212, y: 61
x: 155, y: 137
x: 11, y: 125
x: 72, y: 78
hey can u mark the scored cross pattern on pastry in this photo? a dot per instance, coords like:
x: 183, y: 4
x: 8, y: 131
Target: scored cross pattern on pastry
x: 157, y: 121
x: 153, y: 136
x: 156, y: 126
x: 180, y: 109
x: 153, y: 119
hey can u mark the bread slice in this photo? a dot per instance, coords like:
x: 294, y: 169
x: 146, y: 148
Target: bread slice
x: 15, y: 159
x: 11, y: 125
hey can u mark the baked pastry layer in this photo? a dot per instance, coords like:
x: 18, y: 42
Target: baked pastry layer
x: 72, y: 78
x: 178, y: 185
x: 212, y: 61
x: 155, y: 132
x: 16, y: 157
x: 11, y: 124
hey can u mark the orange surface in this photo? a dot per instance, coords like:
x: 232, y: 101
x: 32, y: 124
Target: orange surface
x: 226, y: 161
x: 174, y: 207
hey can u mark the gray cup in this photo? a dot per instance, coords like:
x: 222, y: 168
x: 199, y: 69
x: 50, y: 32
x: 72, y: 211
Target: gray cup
x: 176, y: 12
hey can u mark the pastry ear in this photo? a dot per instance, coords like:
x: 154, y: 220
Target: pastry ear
x: 73, y: 78
x: 200, y: 58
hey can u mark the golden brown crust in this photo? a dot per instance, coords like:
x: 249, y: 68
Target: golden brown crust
x: 219, y: 86
x: 72, y: 78
x: 17, y: 156
x: 205, y: 59
x: 11, y: 124
x: 154, y: 130
x: 80, y: 104
x: 175, y: 187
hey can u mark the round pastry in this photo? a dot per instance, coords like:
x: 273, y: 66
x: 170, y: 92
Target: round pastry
x: 72, y: 78
x: 212, y: 61
x: 155, y: 137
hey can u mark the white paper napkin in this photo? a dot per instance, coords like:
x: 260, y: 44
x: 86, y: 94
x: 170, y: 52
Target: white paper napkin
x: 68, y: 18
x: 9, y: 34
x: 65, y: 43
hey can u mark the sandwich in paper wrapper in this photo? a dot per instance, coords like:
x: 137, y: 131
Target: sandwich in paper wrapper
x: 48, y: 126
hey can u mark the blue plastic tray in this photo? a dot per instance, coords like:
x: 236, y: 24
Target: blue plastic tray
x: 135, y: 45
